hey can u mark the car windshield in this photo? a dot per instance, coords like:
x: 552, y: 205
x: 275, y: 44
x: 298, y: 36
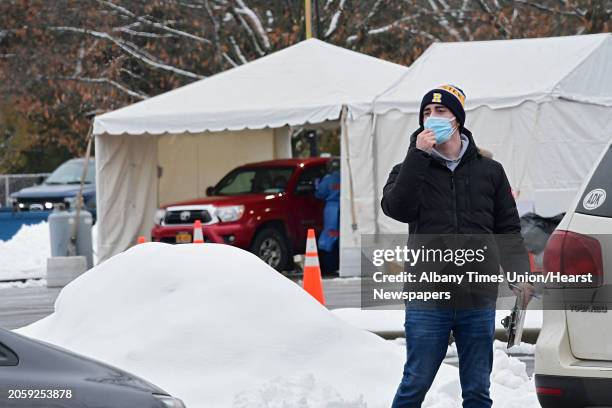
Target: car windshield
x: 70, y: 173
x: 254, y: 180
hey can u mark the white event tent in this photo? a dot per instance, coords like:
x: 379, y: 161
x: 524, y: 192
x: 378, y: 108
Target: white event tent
x: 542, y: 106
x: 172, y: 146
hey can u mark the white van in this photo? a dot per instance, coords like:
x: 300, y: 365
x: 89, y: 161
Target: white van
x: 573, y: 363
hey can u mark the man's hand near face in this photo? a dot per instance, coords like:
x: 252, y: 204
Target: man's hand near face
x: 426, y: 140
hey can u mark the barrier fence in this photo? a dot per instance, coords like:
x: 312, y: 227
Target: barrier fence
x: 10, y: 183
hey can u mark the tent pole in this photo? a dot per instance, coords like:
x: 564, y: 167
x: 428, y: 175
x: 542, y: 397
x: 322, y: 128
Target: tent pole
x: 317, y: 19
x: 344, y: 133
x: 375, y: 174
x: 79, y: 198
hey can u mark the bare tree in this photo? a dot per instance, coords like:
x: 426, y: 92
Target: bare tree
x: 62, y: 60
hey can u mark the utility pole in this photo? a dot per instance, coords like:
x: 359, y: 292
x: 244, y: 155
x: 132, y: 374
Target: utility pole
x: 318, y: 23
x: 308, y: 18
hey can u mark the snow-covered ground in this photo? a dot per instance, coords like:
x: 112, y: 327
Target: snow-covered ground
x: 393, y: 320
x: 522, y: 349
x: 29, y: 283
x: 217, y: 327
x: 25, y: 255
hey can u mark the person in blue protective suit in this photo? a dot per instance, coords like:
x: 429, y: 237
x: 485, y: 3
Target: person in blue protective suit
x: 328, y: 189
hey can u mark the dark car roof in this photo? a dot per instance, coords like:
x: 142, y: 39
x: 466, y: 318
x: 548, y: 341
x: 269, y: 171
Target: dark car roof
x: 288, y: 162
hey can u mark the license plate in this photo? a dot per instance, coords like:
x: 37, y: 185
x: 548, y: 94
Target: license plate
x: 183, y: 238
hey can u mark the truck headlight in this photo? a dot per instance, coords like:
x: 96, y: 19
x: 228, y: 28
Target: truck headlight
x: 159, y: 216
x: 229, y: 213
x: 169, y: 402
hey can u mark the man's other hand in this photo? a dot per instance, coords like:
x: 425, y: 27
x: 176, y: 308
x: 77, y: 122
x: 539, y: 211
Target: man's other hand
x: 528, y: 292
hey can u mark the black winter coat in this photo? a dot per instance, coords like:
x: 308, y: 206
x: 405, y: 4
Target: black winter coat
x: 474, y: 199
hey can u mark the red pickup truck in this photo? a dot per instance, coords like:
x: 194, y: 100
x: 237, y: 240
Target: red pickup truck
x: 265, y: 207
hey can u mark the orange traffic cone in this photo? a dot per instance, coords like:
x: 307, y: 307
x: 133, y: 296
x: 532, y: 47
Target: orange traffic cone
x: 312, y: 270
x: 198, y: 236
x: 141, y: 240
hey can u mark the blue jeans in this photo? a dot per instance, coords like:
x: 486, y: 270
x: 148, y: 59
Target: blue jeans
x: 427, y: 333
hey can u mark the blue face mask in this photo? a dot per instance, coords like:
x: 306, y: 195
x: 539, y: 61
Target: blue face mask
x: 441, y: 127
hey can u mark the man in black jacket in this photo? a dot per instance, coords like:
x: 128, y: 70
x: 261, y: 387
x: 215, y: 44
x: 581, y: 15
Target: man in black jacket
x: 445, y: 186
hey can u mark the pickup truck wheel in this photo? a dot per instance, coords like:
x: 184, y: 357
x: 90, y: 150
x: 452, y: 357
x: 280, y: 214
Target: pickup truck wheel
x: 271, y: 246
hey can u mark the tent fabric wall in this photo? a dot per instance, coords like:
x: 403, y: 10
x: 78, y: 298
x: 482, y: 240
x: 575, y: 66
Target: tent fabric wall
x: 508, y: 73
x: 358, y: 155
x: 129, y: 191
x: 192, y: 162
x: 126, y: 184
x: 568, y: 138
x: 306, y: 83
x: 546, y: 149
x: 356, y: 196
x: 543, y: 106
x: 582, y: 84
x: 282, y: 143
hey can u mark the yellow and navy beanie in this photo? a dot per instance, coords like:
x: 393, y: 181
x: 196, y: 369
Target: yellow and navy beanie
x: 448, y: 95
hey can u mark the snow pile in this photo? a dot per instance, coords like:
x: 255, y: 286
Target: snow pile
x: 294, y: 392
x: 226, y: 323
x: 521, y: 349
x: 376, y: 321
x: 511, y: 387
x: 508, y: 371
x: 30, y: 283
x: 217, y: 327
x: 25, y: 255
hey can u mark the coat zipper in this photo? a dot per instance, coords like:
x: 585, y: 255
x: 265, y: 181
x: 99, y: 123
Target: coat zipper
x: 454, y: 202
x: 468, y: 195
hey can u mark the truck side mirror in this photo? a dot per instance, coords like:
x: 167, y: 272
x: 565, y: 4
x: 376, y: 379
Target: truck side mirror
x: 210, y: 191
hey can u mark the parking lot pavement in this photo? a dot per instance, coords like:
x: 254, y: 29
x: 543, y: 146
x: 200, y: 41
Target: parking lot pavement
x: 346, y: 293
x: 22, y: 306
x: 342, y: 292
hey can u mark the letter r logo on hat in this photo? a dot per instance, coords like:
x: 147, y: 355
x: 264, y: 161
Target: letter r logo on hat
x: 450, y: 96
